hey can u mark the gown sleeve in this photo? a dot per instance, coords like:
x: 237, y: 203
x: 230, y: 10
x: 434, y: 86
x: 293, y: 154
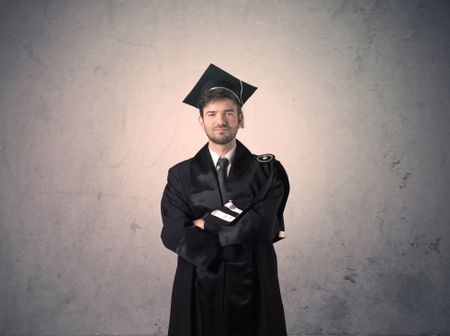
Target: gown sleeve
x: 178, y: 233
x: 261, y: 222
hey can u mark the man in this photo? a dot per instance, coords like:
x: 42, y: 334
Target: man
x: 222, y: 211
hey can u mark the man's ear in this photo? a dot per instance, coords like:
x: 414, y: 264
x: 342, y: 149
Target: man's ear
x: 241, y: 119
x: 200, y: 121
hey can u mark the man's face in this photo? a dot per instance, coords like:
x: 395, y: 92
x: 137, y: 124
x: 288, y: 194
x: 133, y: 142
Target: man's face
x: 221, y: 121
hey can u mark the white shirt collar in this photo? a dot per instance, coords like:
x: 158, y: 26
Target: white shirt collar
x: 215, y: 157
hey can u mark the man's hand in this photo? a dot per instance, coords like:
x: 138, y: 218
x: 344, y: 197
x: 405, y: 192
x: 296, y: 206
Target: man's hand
x: 199, y: 223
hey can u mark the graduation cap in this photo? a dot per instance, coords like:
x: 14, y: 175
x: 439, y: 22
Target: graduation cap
x: 215, y: 78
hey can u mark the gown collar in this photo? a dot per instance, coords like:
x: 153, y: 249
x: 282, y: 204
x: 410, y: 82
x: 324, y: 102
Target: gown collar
x: 215, y: 156
x: 240, y: 163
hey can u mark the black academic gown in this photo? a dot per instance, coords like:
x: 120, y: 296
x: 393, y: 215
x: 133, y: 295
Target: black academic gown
x: 226, y: 281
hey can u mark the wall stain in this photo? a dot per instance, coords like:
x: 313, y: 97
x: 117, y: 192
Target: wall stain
x: 434, y: 247
x: 134, y: 227
x: 426, y: 248
x: 158, y: 333
x: 395, y: 163
x: 404, y: 213
x: 350, y: 274
x: 404, y: 181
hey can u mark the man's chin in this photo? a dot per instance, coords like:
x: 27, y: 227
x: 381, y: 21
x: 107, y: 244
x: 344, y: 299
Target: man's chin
x: 221, y: 141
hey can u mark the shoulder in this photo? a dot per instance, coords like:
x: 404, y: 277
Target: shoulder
x: 181, y: 165
x: 180, y: 171
x: 268, y: 161
x: 199, y: 158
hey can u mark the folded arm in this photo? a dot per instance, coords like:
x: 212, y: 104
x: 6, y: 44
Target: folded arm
x: 259, y: 223
x: 178, y: 233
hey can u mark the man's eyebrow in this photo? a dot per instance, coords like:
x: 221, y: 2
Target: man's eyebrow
x: 214, y: 111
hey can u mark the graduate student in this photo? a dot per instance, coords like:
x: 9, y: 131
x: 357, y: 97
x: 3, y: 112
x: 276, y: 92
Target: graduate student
x: 222, y: 210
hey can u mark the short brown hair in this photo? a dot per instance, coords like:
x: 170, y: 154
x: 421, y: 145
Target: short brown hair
x: 217, y: 94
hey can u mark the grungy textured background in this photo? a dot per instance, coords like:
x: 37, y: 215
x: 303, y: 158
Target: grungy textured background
x: 353, y: 98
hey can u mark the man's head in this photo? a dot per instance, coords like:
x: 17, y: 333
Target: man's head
x: 217, y: 94
x: 220, y: 115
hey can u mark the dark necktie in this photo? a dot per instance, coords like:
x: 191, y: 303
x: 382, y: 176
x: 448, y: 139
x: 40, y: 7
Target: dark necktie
x: 222, y: 167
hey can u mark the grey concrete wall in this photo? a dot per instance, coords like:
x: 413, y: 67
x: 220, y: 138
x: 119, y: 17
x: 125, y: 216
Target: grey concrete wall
x: 353, y: 98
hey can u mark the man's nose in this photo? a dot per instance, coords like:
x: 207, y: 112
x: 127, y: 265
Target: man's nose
x: 221, y: 119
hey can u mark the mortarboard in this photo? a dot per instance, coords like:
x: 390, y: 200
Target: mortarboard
x: 214, y: 78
